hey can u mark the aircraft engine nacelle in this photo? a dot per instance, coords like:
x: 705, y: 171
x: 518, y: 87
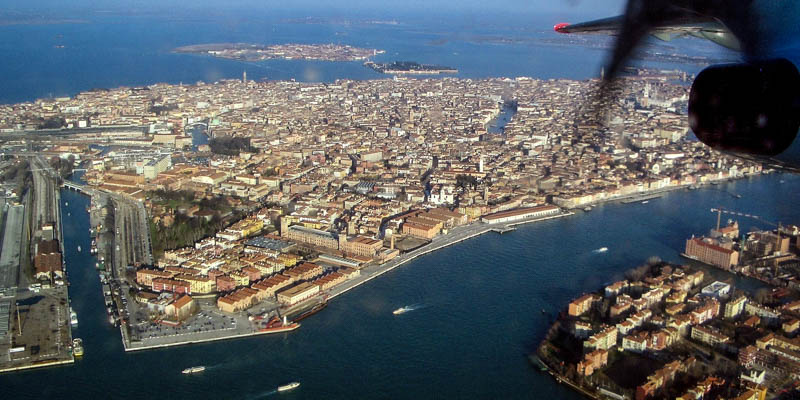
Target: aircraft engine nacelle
x: 749, y: 109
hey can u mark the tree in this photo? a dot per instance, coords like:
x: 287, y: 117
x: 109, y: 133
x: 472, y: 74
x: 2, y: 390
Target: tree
x: 158, y: 110
x: 465, y: 181
x: 272, y: 171
x: 231, y: 146
x: 52, y: 123
x: 63, y: 167
x: 636, y: 274
x: 763, y: 296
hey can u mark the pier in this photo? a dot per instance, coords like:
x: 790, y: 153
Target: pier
x: 503, y: 229
x: 641, y: 198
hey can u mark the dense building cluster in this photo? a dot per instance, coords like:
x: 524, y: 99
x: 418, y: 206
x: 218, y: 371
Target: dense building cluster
x: 689, y: 327
x: 342, y: 166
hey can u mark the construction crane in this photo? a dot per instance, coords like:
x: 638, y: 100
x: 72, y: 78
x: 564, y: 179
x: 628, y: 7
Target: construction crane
x: 721, y: 210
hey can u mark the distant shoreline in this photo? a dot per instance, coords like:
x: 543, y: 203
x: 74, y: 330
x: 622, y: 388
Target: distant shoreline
x: 10, y: 22
x: 290, y: 51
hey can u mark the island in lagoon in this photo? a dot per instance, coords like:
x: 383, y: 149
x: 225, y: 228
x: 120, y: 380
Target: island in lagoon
x: 409, y: 67
x: 291, y: 51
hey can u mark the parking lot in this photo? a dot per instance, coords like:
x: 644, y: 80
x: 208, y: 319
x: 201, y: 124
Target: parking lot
x: 44, y: 322
x: 207, y: 324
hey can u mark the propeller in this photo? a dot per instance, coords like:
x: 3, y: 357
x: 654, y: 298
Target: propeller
x: 642, y: 16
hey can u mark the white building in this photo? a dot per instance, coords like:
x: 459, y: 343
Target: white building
x: 717, y: 289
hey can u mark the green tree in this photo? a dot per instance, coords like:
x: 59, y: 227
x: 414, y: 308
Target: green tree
x: 466, y: 181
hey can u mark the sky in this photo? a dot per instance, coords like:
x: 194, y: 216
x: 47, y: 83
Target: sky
x: 567, y: 8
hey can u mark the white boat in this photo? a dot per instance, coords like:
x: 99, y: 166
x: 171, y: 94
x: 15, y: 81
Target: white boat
x: 288, y: 386
x: 646, y: 201
x: 194, y: 370
x: 601, y: 250
x: 77, y: 347
x: 73, y: 317
x: 79, y: 249
x: 402, y: 310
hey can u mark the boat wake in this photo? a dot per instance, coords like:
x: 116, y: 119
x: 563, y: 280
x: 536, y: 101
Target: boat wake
x: 405, y: 309
x: 600, y: 250
x: 265, y: 394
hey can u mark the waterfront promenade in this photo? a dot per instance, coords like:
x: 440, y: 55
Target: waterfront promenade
x: 456, y: 235
x: 239, y: 326
x: 220, y: 326
x: 652, y: 194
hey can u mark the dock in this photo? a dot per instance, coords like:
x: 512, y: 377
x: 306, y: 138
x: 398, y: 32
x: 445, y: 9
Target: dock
x: 642, y: 198
x: 503, y: 229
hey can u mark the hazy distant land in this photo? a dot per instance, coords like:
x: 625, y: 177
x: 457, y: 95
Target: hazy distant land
x: 292, y: 51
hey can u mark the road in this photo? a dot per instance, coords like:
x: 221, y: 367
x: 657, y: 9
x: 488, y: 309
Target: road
x: 73, y: 131
x: 46, y: 206
x: 44, y: 193
x: 132, y: 244
x: 44, y: 315
x: 11, y: 247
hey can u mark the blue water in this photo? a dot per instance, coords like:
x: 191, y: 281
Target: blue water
x: 199, y: 136
x: 111, y: 51
x: 498, y: 124
x: 481, y: 314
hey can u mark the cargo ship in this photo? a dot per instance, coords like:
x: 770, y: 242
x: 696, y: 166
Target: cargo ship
x: 313, y: 310
x: 276, y: 325
x: 288, y: 386
x: 194, y: 370
x: 77, y: 347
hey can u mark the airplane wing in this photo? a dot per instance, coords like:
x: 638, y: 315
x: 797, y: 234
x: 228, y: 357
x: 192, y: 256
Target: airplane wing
x: 697, y: 26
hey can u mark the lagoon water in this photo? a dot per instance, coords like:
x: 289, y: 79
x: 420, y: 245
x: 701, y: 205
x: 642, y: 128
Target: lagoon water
x: 110, y: 50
